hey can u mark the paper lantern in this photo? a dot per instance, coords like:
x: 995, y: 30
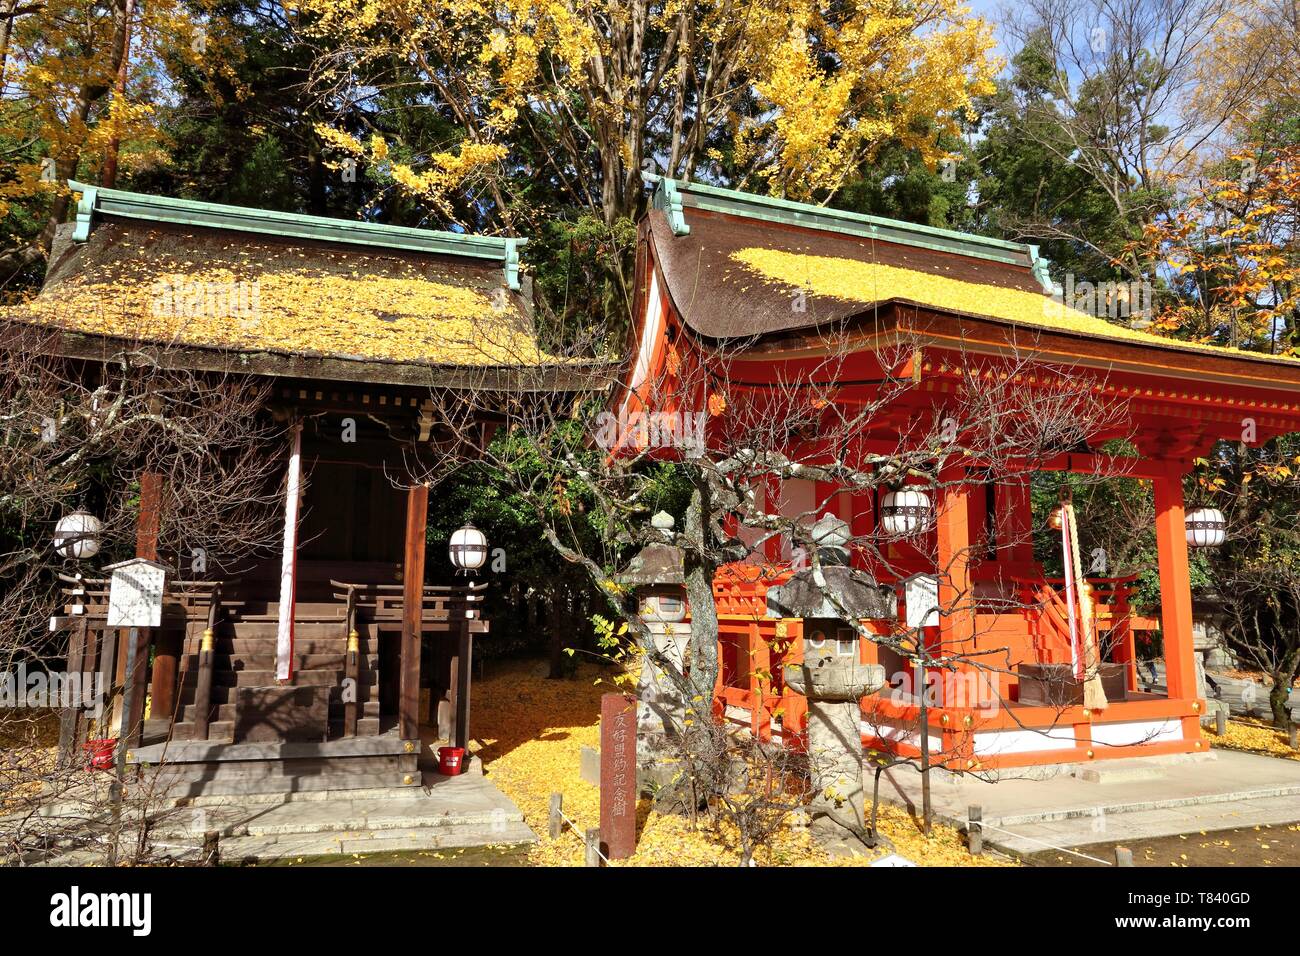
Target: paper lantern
x: 1206, y: 528
x: 468, y: 548
x: 905, y: 512
x: 76, y: 535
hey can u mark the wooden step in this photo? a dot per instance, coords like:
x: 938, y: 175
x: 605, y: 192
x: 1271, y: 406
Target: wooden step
x: 263, y: 662
x: 313, y: 678
x: 220, y: 712
x: 157, y: 730
x: 309, y: 784
x: 293, y: 769
x: 226, y: 644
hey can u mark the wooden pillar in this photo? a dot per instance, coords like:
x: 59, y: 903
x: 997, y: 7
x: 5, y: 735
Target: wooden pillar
x: 464, y: 667
x: 794, y: 707
x: 289, y: 559
x: 760, y: 682
x: 137, y: 660
x: 417, y: 525
x: 1175, y: 590
x: 71, y: 716
x: 168, y: 642
x: 149, y: 521
x: 956, y: 596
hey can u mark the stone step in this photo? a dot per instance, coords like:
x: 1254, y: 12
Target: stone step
x: 447, y: 837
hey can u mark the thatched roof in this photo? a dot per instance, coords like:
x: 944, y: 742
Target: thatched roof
x: 737, y: 266
x: 200, y: 276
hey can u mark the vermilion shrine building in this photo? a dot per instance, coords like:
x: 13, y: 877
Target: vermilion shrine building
x: 718, y: 270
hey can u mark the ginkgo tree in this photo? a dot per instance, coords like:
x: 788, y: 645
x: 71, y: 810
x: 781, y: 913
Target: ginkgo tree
x: 1231, y: 254
x: 587, y: 95
x: 64, y: 97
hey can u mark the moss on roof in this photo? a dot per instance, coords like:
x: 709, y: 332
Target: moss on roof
x: 238, y: 292
x: 854, y: 280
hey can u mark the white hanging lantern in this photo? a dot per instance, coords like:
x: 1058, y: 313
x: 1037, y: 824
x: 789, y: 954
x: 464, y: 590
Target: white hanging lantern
x: 467, y: 548
x: 76, y: 535
x: 1206, y: 528
x: 905, y: 512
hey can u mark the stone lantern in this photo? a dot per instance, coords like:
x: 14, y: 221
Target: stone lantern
x: 659, y: 588
x: 831, y: 676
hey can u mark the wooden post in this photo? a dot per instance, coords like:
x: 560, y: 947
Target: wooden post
x: 72, y: 713
x: 556, y: 820
x: 212, y: 848
x: 975, y: 829
x: 149, y: 520
x: 464, y: 665
x: 168, y: 643
x: 108, y: 679
x: 417, y: 526
x: 760, y: 669
x: 289, y: 559
x: 203, y: 680
x: 137, y: 682
x: 1123, y: 856
x: 592, y: 841
x: 352, y: 666
x: 1125, y: 651
x: 1175, y: 592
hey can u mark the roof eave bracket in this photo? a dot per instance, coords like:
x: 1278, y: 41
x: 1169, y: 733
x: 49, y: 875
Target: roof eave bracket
x: 85, y: 210
x: 1039, y: 265
x: 669, y: 198
x: 512, y: 264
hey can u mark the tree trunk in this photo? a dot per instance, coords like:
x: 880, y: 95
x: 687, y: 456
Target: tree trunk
x: 704, y: 611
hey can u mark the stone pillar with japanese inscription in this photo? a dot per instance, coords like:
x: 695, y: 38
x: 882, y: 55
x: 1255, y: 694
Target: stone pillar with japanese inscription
x: 618, y: 788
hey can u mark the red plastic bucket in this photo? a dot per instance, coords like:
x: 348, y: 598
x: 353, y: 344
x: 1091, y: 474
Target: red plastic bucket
x: 99, y: 754
x: 451, y: 760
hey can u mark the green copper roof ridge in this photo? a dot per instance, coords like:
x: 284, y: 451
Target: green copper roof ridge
x: 673, y: 196
x: 193, y: 212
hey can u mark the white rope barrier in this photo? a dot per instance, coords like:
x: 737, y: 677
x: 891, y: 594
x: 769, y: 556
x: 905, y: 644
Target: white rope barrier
x: 579, y: 830
x: 1051, y: 846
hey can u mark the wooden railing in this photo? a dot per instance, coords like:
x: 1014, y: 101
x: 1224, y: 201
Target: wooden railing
x: 1115, y: 623
x: 94, y: 647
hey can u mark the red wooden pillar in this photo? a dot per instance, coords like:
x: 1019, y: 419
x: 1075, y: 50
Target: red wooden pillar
x: 417, y: 524
x: 956, y: 596
x: 760, y: 683
x: 794, y: 707
x: 1175, y: 591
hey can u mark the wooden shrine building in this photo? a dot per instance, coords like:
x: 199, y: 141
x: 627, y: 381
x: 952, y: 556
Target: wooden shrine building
x: 327, y: 657
x: 752, y: 284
